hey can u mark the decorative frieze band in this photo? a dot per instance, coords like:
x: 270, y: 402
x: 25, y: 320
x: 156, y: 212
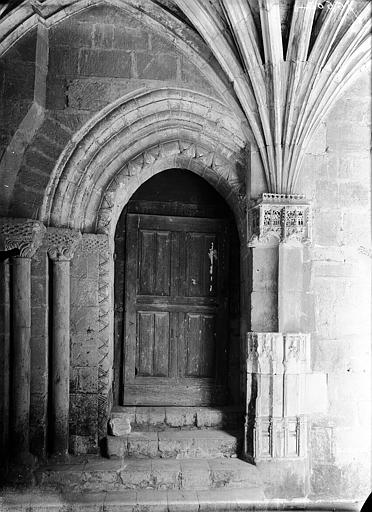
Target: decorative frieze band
x: 23, y: 234
x: 92, y: 243
x: 279, y: 218
x: 277, y: 353
x: 62, y: 243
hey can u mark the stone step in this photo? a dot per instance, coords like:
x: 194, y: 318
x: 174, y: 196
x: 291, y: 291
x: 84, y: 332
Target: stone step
x: 165, y: 418
x: 176, y: 444
x: 99, y: 474
x: 130, y: 501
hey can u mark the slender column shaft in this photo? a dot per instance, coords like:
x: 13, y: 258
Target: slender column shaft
x: 21, y: 352
x: 61, y: 355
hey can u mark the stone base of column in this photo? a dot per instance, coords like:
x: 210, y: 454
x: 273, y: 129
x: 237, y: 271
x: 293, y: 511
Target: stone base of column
x: 276, y: 436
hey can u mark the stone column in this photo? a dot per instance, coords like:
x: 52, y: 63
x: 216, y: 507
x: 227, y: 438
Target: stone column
x: 26, y: 236
x: 61, y: 246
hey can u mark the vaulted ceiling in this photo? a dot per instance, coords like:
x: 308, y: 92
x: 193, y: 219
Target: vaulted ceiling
x: 287, y: 60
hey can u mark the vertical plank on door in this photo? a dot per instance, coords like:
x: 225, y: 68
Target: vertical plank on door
x: 147, y: 262
x: 161, y: 345
x: 193, y: 340
x: 131, y: 265
x: 162, y: 265
x: 207, y: 349
x: 145, y: 343
x: 194, y: 264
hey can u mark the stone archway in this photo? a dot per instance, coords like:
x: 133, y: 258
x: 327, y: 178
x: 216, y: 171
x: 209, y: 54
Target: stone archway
x: 107, y: 161
x: 135, y: 138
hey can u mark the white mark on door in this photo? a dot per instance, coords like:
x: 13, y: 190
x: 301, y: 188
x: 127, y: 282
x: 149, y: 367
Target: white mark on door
x: 212, y: 255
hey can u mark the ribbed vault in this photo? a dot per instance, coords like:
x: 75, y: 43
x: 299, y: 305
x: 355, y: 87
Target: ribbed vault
x: 285, y: 92
x: 288, y: 61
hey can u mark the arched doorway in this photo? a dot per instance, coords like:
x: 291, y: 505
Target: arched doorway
x: 177, y: 289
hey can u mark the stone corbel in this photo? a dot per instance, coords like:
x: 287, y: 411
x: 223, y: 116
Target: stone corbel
x: 23, y: 234
x: 279, y: 218
x: 62, y: 243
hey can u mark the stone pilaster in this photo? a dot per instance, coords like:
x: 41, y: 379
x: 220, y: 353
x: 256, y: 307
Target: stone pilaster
x: 279, y: 226
x: 100, y: 244
x: 277, y: 365
x: 276, y: 353
x: 61, y: 244
x: 26, y: 236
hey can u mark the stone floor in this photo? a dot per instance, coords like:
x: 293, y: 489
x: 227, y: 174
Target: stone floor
x: 174, y: 459
x: 158, y: 501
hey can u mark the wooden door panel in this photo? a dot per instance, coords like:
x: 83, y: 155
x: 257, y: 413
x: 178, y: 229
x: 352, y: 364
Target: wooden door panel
x: 200, y: 345
x: 152, y: 358
x: 154, y: 263
x: 201, y: 265
x: 173, y: 307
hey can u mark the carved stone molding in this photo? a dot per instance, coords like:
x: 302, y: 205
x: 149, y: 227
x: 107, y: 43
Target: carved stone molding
x: 277, y: 353
x: 276, y: 366
x: 92, y: 243
x: 275, y: 438
x: 23, y: 234
x: 62, y: 243
x: 194, y: 153
x: 279, y: 218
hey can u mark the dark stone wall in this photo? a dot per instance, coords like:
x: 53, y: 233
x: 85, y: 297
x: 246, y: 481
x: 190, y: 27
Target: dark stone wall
x: 17, y: 75
x: 95, y: 57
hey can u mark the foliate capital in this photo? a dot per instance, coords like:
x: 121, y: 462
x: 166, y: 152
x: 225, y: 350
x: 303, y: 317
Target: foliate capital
x: 62, y: 243
x: 279, y: 218
x: 23, y: 234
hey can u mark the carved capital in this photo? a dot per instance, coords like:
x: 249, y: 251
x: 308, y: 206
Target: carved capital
x: 279, y: 218
x: 23, y: 234
x: 62, y: 243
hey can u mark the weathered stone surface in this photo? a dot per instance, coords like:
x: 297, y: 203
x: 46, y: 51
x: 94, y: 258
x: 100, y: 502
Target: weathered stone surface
x: 119, y: 426
x: 206, y: 417
x: 63, y: 61
x: 110, y: 63
x: 187, y: 444
x: 143, y: 444
x: 284, y: 479
x: 156, y: 66
x: 153, y: 416
x: 180, y: 416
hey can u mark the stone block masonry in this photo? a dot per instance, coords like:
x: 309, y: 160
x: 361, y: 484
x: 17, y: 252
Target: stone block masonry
x: 94, y: 58
x: 338, y: 293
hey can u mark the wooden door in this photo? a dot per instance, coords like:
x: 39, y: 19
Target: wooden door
x: 175, y: 310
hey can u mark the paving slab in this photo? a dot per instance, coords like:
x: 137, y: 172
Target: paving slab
x: 155, y: 474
